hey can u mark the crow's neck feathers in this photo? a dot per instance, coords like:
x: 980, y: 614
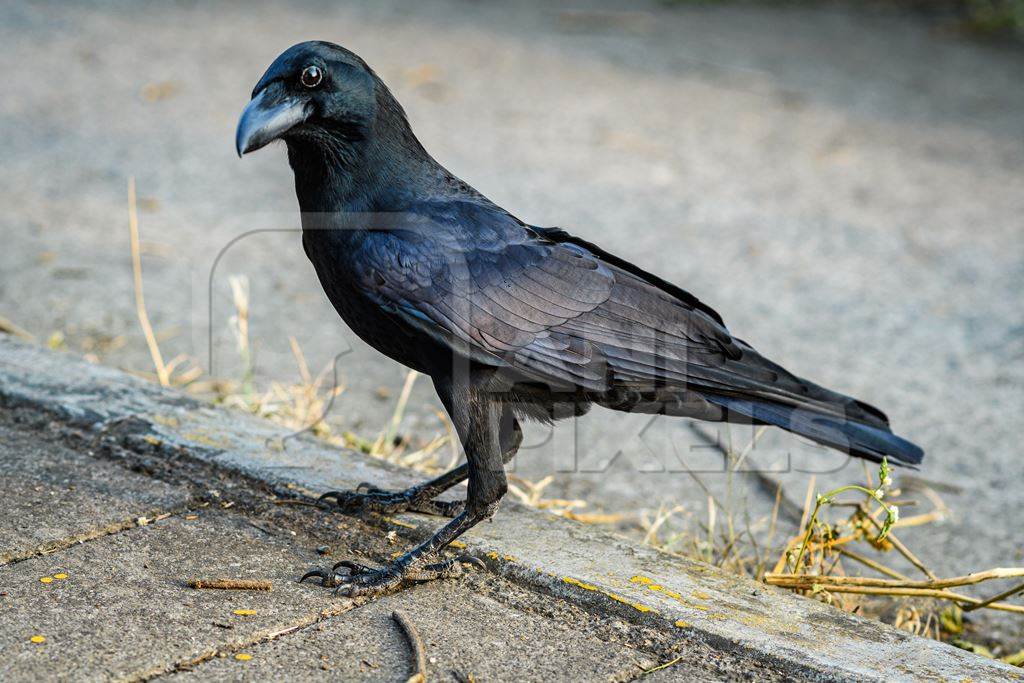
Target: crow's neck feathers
x: 359, y: 166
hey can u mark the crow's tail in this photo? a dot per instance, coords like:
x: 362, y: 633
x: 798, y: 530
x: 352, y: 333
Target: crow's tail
x: 848, y: 434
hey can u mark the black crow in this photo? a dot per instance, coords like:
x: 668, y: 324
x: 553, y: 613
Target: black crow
x: 509, y: 320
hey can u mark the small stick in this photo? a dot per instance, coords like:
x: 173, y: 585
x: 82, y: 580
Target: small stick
x: 904, y: 550
x: 967, y: 580
x: 232, y: 584
x: 877, y: 566
x: 908, y: 592
x: 994, y: 598
x: 416, y: 643
x: 140, y: 302
x: 10, y: 328
x: 662, y: 666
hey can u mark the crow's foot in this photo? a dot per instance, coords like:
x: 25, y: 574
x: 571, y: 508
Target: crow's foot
x: 366, y: 497
x: 361, y: 580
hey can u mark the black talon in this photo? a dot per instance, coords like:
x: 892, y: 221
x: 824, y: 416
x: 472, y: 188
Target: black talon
x: 470, y: 559
x: 318, y: 573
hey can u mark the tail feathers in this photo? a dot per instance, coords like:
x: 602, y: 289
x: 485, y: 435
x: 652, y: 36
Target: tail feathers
x: 845, y: 434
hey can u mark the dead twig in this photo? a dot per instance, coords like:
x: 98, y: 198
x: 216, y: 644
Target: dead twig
x: 162, y: 373
x: 990, y: 601
x: 956, y: 581
x: 906, y: 587
x: 903, y: 550
x: 809, y: 583
x: 10, y: 328
x: 868, y: 562
x: 416, y: 643
x: 666, y: 665
x: 232, y: 584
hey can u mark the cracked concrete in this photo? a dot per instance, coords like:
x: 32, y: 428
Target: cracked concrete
x: 579, y: 601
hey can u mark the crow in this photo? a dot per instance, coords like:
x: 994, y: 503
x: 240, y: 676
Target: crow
x: 510, y: 321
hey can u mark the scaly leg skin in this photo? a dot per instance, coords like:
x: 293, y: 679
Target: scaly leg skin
x: 419, y: 498
x: 477, y: 418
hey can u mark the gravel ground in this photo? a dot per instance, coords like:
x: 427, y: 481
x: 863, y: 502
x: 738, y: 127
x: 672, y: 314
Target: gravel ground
x: 845, y: 188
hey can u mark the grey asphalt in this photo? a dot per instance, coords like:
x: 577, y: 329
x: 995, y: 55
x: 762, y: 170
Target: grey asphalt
x: 846, y: 188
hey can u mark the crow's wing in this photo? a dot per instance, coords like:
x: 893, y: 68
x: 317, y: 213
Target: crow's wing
x: 562, y: 311
x: 509, y: 294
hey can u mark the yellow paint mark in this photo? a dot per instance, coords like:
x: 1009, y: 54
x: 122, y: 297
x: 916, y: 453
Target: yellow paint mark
x: 151, y: 440
x: 60, y: 576
x: 635, y: 605
x: 191, y: 517
x: 682, y: 624
x: 243, y: 657
x: 38, y: 639
x: 617, y: 598
x: 576, y: 582
x: 658, y: 588
x: 46, y: 579
x: 495, y: 556
x: 701, y: 596
x: 457, y: 544
x: 244, y: 612
x: 398, y: 522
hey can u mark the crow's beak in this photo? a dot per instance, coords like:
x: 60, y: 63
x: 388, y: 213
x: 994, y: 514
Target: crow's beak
x: 268, y: 116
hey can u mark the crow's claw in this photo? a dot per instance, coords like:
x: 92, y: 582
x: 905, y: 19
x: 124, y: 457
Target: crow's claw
x: 319, y: 574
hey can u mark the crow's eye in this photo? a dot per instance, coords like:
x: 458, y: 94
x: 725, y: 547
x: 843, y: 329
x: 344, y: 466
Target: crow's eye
x: 311, y: 76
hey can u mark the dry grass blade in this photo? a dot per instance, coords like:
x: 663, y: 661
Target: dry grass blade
x: 386, y: 437
x: 904, y: 550
x: 531, y: 494
x: 868, y: 562
x: 162, y: 373
x: 10, y: 328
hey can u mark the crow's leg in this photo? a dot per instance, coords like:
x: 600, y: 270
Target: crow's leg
x: 478, y: 419
x: 420, y: 498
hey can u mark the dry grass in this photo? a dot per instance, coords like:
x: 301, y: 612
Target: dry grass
x: 828, y: 555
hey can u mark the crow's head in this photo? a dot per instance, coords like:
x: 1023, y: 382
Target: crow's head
x: 314, y: 92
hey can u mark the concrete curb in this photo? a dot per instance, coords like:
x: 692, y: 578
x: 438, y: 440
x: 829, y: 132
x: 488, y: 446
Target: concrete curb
x: 585, y: 566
